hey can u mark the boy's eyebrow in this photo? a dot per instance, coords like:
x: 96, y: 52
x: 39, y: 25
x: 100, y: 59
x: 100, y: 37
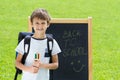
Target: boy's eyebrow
x: 43, y: 23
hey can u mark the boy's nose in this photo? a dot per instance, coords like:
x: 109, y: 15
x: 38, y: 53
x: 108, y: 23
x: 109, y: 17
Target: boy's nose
x: 40, y: 26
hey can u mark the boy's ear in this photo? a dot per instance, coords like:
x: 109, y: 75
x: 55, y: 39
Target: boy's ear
x: 31, y: 24
x: 48, y: 25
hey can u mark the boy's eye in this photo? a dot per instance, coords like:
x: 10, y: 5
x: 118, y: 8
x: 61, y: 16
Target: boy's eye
x: 37, y: 23
x: 43, y: 23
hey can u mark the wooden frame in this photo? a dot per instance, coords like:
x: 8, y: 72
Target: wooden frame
x: 71, y: 20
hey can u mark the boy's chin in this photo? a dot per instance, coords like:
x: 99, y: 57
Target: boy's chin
x: 39, y: 32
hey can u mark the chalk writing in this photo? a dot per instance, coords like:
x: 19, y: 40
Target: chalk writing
x: 70, y: 37
x: 77, y: 51
x: 72, y: 48
x: 69, y: 42
x: 79, y: 66
x: 71, y: 34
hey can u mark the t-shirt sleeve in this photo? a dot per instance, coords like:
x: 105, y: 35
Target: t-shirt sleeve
x: 20, y: 47
x: 56, y: 48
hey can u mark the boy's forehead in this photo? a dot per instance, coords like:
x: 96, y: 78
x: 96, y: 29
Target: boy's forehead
x: 38, y: 19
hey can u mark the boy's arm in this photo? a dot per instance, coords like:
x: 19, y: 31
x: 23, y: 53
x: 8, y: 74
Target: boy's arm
x: 53, y: 65
x: 19, y: 65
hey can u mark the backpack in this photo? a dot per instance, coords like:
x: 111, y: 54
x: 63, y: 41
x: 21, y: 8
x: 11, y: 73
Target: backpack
x: 27, y: 38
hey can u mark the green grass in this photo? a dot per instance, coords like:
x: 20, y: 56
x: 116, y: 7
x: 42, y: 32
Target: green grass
x: 105, y: 35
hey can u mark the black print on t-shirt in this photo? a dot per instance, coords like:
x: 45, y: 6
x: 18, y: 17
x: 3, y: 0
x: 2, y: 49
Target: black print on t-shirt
x: 46, y: 53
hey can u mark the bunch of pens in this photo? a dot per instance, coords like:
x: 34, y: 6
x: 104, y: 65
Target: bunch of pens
x: 37, y: 56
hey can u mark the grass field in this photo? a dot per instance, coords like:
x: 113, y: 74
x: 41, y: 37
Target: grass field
x: 105, y: 35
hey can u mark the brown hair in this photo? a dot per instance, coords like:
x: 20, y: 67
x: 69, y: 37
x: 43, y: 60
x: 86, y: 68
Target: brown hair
x: 41, y: 14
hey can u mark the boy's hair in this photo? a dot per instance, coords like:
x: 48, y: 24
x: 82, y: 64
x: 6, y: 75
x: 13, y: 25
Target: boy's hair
x: 41, y: 14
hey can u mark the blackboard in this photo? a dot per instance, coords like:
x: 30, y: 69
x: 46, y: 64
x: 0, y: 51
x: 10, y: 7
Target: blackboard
x: 74, y: 38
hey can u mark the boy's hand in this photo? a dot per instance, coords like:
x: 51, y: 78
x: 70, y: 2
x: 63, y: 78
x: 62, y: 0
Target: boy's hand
x: 36, y: 64
x: 33, y: 69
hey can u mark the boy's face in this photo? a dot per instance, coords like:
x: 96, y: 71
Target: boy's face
x: 40, y: 26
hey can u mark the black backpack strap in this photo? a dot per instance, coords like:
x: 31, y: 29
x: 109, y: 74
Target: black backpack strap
x: 16, y: 74
x: 27, y: 40
x: 50, y: 40
x: 26, y: 47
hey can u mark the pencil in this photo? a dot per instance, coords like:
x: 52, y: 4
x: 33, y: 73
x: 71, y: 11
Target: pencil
x: 38, y: 56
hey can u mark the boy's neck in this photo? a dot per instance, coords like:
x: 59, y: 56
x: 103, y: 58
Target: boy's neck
x: 39, y: 36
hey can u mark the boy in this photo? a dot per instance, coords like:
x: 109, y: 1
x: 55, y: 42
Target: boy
x: 38, y: 69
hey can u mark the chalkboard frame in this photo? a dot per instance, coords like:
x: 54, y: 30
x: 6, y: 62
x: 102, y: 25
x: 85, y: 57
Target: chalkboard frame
x: 80, y: 20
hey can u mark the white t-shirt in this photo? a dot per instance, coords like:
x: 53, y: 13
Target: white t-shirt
x: 37, y: 46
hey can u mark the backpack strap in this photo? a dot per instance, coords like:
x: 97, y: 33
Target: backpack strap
x: 26, y: 47
x: 27, y: 40
x: 50, y: 46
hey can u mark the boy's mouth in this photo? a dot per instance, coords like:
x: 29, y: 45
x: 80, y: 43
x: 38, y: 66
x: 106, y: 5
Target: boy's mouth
x: 39, y: 29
